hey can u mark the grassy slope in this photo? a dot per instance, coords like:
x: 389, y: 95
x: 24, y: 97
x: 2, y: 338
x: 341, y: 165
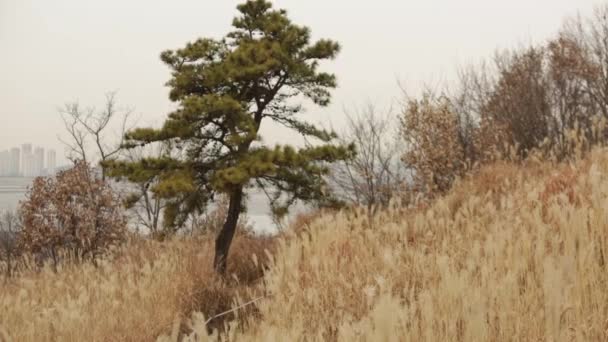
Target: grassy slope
x: 514, y: 253
x: 136, y: 297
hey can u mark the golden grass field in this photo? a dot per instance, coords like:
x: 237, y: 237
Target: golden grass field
x: 512, y: 253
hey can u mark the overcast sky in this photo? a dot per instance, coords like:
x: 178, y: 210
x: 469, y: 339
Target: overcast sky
x: 57, y: 51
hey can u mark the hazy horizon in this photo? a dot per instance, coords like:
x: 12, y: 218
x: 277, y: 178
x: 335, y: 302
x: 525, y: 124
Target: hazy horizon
x: 67, y: 50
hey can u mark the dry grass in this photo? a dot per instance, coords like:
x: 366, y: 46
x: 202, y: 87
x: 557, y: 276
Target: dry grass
x: 510, y: 253
x: 520, y: 257
x: 136, y: 297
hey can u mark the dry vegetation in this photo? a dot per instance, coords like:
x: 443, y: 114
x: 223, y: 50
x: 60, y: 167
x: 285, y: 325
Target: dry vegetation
x: 74, y: 212
x: 135, y: 297
x: 515, y: 253
x: 501, y: 235
x: 511, y: 252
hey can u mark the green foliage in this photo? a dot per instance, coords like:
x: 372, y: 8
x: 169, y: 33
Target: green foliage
x: 225, y: 89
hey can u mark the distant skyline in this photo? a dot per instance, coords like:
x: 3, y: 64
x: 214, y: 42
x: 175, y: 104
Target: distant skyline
x: 65, y: 50
x: 57, y: 147
x: 25, y: 161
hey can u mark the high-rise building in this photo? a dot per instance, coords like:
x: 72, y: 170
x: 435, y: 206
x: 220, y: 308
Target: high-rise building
x: 26, y: 160
x: 26, y: 148
x: 5, y: 162
x: 14, y: 162
x: 27, y: 165
x: 38, y: 162
x: 51, y: 162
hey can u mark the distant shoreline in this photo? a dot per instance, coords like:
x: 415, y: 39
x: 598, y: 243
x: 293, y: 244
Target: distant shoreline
x: 14, y: 189
x: 19, y: 177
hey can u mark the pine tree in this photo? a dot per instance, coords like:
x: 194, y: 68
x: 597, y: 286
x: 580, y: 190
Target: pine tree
x: 225, y: 89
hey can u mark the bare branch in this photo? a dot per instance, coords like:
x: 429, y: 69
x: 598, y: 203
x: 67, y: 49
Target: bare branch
x: 374, y: 176
x: 89, y: 125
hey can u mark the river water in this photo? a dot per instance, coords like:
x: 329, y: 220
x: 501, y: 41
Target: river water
x: 13, y: 189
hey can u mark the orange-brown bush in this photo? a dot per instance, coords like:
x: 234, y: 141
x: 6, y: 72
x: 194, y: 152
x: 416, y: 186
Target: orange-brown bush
x: 434, y: 153
x: 73, y: 211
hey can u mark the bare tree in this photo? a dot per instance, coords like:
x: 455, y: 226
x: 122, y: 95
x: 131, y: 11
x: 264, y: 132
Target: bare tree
x: 467, y: 98
x: 571, y: 75
x: 76, y: 145
x: 145, y: 208
x: 581, y: 54
x: 520, y: 98
x: 375, y: 175
x: 591, y: 38
x: 9, y: 233
x: 88, y: 126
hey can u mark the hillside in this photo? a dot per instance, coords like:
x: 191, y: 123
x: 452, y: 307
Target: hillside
x: 512, y: 253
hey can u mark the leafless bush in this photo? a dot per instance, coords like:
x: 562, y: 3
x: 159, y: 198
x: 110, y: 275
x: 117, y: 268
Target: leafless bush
x: 144, y: 208
x: 73, y: 212
x: 10, y: 251
x: 585, y: 46
x: 375, y: 175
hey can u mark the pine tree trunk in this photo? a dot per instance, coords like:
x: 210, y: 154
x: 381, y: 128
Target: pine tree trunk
x: 8, y: 262
x: 224, y: 239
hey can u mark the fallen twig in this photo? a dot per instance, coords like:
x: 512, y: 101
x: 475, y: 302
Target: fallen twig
x: 234, y: 309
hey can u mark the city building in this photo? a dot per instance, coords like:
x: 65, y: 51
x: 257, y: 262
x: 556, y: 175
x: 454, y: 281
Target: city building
x: 26, y: 166
x: 14, y: 169
x: 51, y: 162
x: 26, y: 148
x: 38, y: 162
x: 26, y: 161
x: 5, y: 162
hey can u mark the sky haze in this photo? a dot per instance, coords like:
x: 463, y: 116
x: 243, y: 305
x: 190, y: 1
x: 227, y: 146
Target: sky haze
x: 60, y: 51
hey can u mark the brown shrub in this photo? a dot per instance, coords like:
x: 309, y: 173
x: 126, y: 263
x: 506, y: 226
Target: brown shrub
x: 73, y: 212
x: 520, y: 99
x: 434, y: 153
